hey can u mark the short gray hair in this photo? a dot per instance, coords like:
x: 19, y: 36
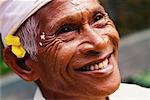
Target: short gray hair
x: 28, y: 33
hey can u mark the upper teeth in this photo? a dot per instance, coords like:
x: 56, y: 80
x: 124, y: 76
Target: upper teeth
x: 98, y: 66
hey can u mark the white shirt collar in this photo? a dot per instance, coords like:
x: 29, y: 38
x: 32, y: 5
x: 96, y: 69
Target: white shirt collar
x: 38, y: 95
x: 125, y: 92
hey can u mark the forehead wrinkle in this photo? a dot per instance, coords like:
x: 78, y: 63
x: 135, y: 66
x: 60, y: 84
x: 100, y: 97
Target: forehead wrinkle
x: 64, y: 11
x: 48, y: 13
x: 59, y: 7
x: 79, y: 16
x: 67, y: 16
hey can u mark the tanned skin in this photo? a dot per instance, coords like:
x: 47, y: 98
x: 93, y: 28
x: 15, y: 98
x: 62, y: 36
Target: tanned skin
x: 76, y: 35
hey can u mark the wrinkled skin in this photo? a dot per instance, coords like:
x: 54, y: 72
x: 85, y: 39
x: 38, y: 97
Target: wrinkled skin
x: 76, y: 35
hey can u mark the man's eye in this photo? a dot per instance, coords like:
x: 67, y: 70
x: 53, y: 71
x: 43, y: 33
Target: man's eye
x: 98, y: 17
x: 67, y: 28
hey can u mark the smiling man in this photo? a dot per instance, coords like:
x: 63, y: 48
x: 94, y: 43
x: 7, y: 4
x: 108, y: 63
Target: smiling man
x: 68, y: 47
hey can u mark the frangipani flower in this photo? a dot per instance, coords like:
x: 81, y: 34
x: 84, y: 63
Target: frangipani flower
x: 16, y: 48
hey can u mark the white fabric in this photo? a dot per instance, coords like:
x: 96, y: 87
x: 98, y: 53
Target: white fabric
x: 14, y: 12
x: 125, y: 92
x: 38, y: 95
x: 131, y: 92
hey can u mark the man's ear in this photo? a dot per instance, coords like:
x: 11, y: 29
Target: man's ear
x: 24, y: 67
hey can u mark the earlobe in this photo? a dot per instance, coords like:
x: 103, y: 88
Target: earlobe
x: 18, y: 65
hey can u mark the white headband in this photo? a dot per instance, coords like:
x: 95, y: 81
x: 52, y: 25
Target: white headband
x: 14, y: 12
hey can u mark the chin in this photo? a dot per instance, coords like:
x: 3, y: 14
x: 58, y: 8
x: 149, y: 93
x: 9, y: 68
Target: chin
x: 100, y: 83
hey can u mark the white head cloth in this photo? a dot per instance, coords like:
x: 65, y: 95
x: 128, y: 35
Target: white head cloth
x: 14, y: 12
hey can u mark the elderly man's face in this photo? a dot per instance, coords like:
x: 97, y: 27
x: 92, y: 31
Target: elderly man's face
x: 78, y: 55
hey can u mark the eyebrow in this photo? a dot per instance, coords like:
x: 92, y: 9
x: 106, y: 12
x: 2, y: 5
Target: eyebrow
x: 74, y: 17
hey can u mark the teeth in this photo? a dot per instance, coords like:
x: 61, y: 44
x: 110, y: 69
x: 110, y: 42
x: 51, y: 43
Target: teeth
x: 92, y: 68
x: 96, y: 67
x: 105, y: 63
x: 99, y: 66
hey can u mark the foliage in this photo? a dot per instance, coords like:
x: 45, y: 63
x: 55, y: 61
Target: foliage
x: 142, y: 79
x: 4, y: 69
x: 129, y: 15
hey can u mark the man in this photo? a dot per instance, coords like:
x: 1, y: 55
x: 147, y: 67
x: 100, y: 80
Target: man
x: 68, y: 47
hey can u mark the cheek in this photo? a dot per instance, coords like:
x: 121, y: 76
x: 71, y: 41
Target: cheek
x: 113, y: 35
x: 66, y: 53
x: 111, y: 31
x: 46, y: 57
x: 54, y: 61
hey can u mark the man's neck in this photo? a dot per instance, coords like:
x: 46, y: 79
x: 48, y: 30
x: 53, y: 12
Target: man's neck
x: 50, y: 95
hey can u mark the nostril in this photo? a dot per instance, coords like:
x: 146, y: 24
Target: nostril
x: 93, y: 53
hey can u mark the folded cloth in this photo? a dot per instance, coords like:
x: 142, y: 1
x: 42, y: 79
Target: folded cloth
x: 14, y: 12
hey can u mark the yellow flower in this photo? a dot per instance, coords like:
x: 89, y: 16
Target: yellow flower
x: 12, y: 40
x: 17, y: 48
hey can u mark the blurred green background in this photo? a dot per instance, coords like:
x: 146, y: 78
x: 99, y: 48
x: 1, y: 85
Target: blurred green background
x: 4, y: 69
x: 129, y: 16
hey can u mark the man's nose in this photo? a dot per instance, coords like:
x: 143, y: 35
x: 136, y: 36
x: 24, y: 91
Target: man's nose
x: 95, y: 42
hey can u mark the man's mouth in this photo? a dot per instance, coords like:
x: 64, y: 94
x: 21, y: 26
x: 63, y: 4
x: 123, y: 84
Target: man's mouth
x: 97, y: 66
x: 100, y: 68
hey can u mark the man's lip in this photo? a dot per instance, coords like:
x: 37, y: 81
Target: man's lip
x: 102, y: 58
x: 103, y: 72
